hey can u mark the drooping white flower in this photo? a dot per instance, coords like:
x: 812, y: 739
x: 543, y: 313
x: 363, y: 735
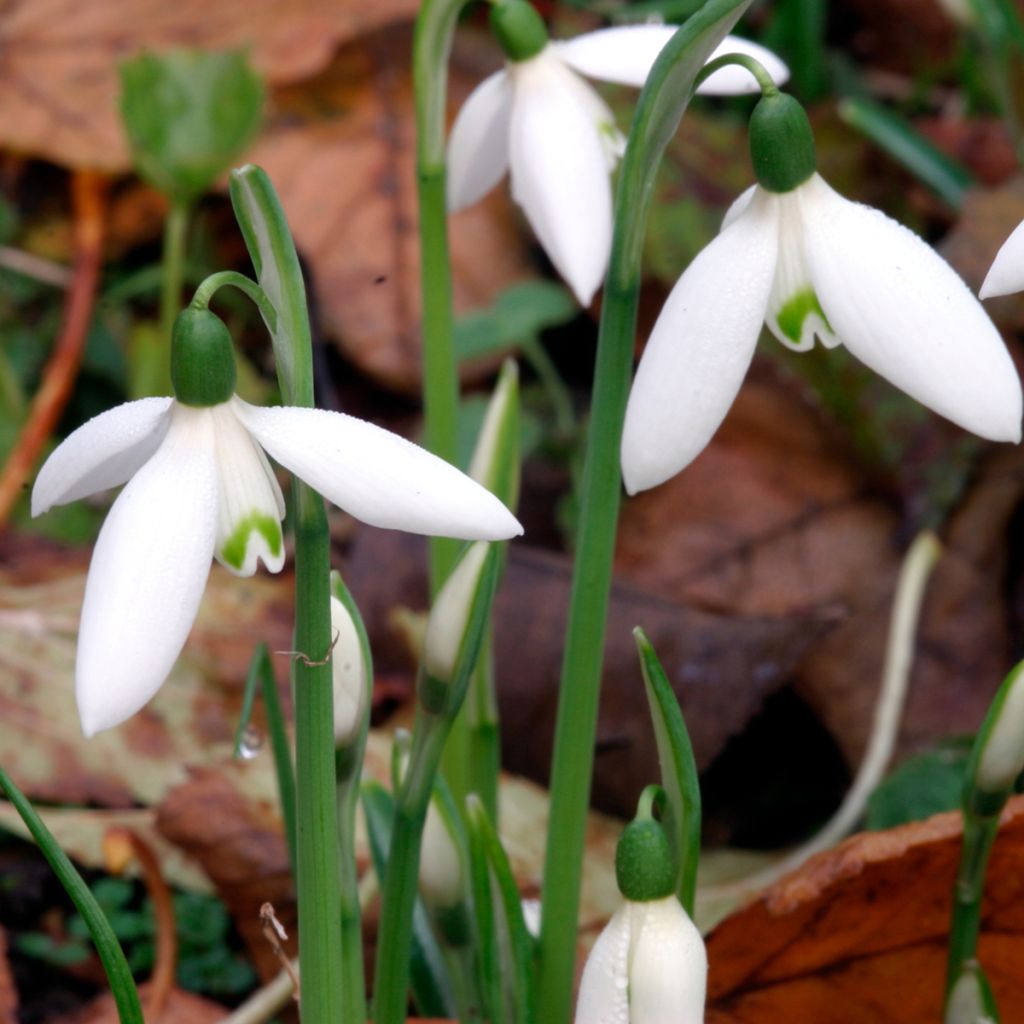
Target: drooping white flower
x: 1006, y: 275
x: 812, y: 264
x: 540, y: 121
x: 648, y: 966
x: 199, y: 487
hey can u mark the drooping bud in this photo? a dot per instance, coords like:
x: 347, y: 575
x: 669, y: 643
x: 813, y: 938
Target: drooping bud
x: 999, y: 755
x: 454, y: 629
x: 520, y: 29
x: 781, y: 143
x: 202, y: 358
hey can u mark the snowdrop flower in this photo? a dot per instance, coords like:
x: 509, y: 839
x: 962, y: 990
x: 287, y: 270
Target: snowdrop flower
x: 541, y: 122
x: 794, y: 254
x: 200, y: 486
x: 1006, y: 275
x: 649, y: 965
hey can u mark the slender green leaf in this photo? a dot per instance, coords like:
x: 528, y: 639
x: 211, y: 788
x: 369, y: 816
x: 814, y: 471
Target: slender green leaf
x: 678, y: 771
x: 946, y: 177
x: 111, y: 955
x: 428, y: 976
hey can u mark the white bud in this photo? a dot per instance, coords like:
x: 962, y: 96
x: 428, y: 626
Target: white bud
x: 967, y: 1003
x: 449, y: 617
x: 348, y: 672
x: 1002, y: 758
x: 648, y: 966
x: 484, y: 466
x: 441, y: 880
x: 960, y: 11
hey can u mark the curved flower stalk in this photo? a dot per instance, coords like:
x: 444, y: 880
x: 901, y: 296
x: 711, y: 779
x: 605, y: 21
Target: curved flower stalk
x: 797, y: 256
x: 1006, y: 275
x: 200, y: 486
x: 542, y: 123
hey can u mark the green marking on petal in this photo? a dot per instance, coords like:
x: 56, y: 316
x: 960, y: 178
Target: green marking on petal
x: 234, y: 548
x: 793, y: 314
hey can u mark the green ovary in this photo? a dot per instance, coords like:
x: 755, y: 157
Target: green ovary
x: 234, y: 548
x: 793, y: 314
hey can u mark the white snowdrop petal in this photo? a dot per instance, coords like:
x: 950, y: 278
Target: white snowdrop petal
x: 147, y: 575
x: 250, y: 504
x: 623, y: 54
x: 904, y: 312
x: 794, y: 313
x: 478, y: 144
x: 1006, y: 275
x: 738, y: 206
x: 668, y: 965
x: 733, y: 80
x: 700, y: 349
x: 559, y: 171
x: 377, y: 476
x: 604, y: 987
x: 103, y: 453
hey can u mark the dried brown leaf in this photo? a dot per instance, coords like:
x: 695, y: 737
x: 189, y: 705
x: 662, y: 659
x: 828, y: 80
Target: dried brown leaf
x: 859, y: 932
x: 181, y: 1007
x: 340, y: 150
x: 58, y: 79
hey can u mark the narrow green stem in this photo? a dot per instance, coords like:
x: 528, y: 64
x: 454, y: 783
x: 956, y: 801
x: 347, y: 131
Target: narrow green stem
x: 391, y: 978
x: 661, y: 105
x: 246, y: 285
x: 558, y: 394
x: 765, y: 82
x: 979, y: 835
x: 484, y: 735
x: 175, y: 236
x: 353, y: 978
x: 435, y: 27
x: 316, y: 809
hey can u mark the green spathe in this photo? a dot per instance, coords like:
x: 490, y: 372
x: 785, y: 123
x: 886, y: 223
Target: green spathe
x: 202, y: 359
x: 644, y: 869
x: 234, y: 548
x: 519, y: 28
x: 781, y: 143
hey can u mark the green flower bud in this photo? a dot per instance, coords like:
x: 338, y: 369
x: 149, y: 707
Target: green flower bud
x: 781, y: 143
x: 520, y: 29
x: 643, y: 862
x: 202, y: 359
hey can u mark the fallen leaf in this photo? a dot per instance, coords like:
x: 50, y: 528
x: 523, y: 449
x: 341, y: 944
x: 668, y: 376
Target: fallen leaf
x: 340, y: 151
x: 58, y: 83
x: 859, y: 932
x: 181, y: 1008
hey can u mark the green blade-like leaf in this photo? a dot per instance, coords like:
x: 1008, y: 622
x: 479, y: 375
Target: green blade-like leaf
x: 678, y: 771
x: 188, y: 115
x: 506, y: 949
x: 428, y: 975
x: 272, y: 251
x: 111, y: 955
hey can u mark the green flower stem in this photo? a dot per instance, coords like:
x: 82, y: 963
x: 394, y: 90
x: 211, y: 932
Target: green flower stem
x: 661, y: 105
x: 483, y: 754
x: 175, y: 236
x: 401, y: 883
x: 558, y: 394
x: 122, y: 984
x: 272, y: 249
x: 353, y: 980
x: 435, y: 27
x: 320, y: 946
x: 979, y: 835
x: 284, y: 767
x: 246, y: 285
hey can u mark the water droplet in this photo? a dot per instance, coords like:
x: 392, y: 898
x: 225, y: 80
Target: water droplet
x: 252, y: 742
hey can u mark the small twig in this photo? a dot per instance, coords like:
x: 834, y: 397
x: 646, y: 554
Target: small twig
x: 267, y: 1001
x: 274, y: 933
x: 120, y: 845
x: 305, y: 658
x: 89, y: 199
x: 36, y: 267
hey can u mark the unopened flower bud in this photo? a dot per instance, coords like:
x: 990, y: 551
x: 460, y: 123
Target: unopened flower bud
x: 442, y: 881
x: 348, y: 672
x: 452, y: 614
x: 495, y: 462
x: 1001, y: 758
